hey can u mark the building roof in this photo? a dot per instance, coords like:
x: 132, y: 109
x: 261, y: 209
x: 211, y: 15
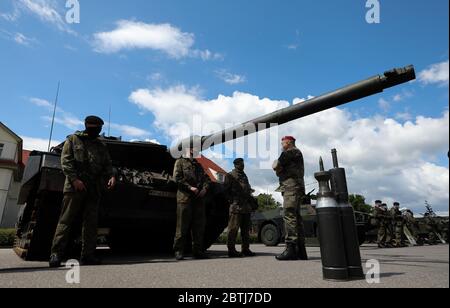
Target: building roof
x: 211, y: 168
x: 13, y: 134
x: 25, y: 156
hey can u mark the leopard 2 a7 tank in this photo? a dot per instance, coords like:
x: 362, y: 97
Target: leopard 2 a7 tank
x: 140, y: 213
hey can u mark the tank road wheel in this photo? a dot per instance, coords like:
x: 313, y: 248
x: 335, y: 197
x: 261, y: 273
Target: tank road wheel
x: 270, y: 235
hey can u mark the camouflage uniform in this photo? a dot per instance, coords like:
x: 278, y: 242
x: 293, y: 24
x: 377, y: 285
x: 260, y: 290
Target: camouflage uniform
x: 190, y: 208
x: 380, y: 215
x: 239, y: 190
x: 87, y: 160
x: 292, y: 187
x: 412, y: 225
x: 399, y: 224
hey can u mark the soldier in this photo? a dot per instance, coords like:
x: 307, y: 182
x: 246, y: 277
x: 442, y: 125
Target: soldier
x: 86, y: 164
x: 399, y: 224
x: 389, y: 226
x: 290, y: 170
x: 193, y: 184
x: 380, y: 214
x: 412, y: 225
x: 240, y: 191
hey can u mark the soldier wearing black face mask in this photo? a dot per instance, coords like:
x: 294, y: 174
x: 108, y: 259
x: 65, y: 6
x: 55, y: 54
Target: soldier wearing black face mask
x: 86, y: 163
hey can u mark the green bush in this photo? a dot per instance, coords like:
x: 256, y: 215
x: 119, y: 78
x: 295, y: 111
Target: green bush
x: 7, y: 237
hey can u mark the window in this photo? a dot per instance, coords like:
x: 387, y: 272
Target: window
x: 1, y: 149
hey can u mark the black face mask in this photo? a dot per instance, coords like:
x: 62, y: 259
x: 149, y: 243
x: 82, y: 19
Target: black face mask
x: 93, y: 132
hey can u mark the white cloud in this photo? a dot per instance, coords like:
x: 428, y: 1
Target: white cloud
x: 21, y: 39
x: 18, y: 38
x: 37, y: 144
x: 46, y: 11
x: 166, y: 38
x: 384, y: 104
x: 130, y: 131
x: 41, y: 102
x: 12, y: 16
x: 72, y: 122
x: 404, y: 116
x: 397, y: 98
x: 156, y: 77
x: 385, y: 159
x: 435, y: 74
x: 206, y: 55
x: 232, y: 79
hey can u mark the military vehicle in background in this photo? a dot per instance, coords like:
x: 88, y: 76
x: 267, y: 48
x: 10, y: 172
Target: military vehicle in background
x: 269, y: 226
x: 141, y: 212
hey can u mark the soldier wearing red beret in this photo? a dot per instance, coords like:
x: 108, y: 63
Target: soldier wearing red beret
x: 291, y: 172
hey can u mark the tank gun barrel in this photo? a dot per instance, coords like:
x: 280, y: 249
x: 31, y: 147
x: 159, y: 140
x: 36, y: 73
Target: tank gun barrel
x: 353, y: 92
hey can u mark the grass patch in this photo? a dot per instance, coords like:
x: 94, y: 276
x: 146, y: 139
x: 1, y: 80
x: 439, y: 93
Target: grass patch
x: 7, y: 238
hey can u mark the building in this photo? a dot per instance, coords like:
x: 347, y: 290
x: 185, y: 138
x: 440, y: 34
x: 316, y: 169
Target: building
x: 214, y: 171
x: 11, y: 170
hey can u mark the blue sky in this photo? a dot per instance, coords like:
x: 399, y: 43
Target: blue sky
x: 279, y: 50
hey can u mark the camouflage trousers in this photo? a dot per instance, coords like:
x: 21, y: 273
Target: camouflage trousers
x: 398, y: 234
x: 293, y: 222
x: 191, y: 218
x: 382, y: 233
x: 76, y: 205
x: 239, y: 221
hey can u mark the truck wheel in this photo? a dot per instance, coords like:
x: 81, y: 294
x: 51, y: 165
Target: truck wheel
x: 270, y: 235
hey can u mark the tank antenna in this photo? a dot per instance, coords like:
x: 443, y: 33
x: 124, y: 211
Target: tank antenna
x: 53, y: 118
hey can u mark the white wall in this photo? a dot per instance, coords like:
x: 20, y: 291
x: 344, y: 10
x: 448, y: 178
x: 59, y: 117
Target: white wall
x: 6, y: 176
x: 11, y: 212
x: 9, y: 151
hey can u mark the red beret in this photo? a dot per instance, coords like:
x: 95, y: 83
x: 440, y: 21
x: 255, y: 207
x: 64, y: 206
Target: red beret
x: 288, y: 138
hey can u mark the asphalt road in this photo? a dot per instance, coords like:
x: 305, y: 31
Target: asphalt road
x: 416, y: 267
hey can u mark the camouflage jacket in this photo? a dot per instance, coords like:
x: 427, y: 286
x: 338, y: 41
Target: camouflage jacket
x: 381, y: 214
x: 189, y: 173
x: 239, y: 191
x: 292, y: 171
x: 409, y: 218
x: 86, y: 160
x: 396, y: 215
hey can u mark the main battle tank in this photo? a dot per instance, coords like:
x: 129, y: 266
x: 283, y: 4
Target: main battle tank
x: 140, y: 213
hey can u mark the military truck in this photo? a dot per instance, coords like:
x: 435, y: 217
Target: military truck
x: 270, y: 226
x: 140, y: 213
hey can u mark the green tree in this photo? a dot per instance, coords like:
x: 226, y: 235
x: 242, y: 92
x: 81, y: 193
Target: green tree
x: 267, y: 202
x: 359, y: 203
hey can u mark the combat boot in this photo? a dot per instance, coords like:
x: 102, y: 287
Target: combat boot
x: 233, y: 253
x: 301, y: 252
x: 289, y: 254
x: 248, y: 253
x: 55, y: 261
x: 179, y: 256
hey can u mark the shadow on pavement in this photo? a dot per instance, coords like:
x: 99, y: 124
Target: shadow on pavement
x: 29, y: 270
x: 387, y: 275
